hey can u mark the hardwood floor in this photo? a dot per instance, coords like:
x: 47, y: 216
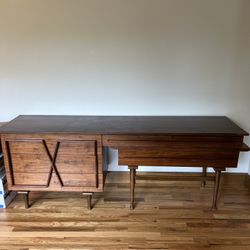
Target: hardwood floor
x: 169, y: 214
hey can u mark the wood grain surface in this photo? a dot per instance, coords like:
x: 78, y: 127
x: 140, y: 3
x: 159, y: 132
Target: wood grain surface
x: 181, y: 125
x: 61, y: 162
x: 170, y: 214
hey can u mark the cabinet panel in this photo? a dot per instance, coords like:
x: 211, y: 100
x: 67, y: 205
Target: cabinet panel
x: 55, y: 162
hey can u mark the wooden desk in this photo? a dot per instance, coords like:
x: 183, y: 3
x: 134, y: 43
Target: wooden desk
x: 65, y: 153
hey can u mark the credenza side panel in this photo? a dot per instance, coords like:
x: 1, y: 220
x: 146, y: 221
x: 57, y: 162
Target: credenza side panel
x: 53, y: 162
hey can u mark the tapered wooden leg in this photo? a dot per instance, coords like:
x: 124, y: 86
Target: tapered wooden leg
x: 135, y: 176
x: 132, y: 186
x: 216, y: 187
x: 204, y: 175
x: 25, y: 198
x: 89, y: 200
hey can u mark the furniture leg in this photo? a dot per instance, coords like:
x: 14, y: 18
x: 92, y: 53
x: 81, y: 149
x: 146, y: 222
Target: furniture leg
x: 134, y: 177
x: 89, y: 199
x: 25, y: 198
x: 216, y: 187
x: 204, y: 175
x: 132, y: 186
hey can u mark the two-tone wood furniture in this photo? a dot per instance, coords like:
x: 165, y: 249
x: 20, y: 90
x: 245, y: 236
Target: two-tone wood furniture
x: 65, y: 153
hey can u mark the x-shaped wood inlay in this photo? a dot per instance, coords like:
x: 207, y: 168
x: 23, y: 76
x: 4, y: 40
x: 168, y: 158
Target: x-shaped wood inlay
x: 53, y: 163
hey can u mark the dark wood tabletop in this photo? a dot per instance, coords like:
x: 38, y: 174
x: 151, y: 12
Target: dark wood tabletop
x: 112, y: 125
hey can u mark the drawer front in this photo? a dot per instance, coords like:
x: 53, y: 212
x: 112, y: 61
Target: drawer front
x: 210, y: 151
x: 78, y: 148
x: 41, y: 161
x: 76, y: 164
x: 26, y: 146
x: 30, y: 163
x: 69, y: 180
x: 173, y: 141
x: 79, y: 180
x: 180, y: 162
x: 30, y: 179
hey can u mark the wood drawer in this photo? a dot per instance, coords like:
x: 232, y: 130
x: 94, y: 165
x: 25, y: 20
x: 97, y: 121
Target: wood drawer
x: 174, y: 142
x: 184, y: 153
x: 76, y: 164
x: 77, y: 147
x: 28, y: 146
x: 181, y: 162
x: 199, y: 151
x: 66, y: 147
x: 65, y: 163
x: 30, y: 163
x: 30, y: 179
x: 79, y: 180
x: 69, y: 180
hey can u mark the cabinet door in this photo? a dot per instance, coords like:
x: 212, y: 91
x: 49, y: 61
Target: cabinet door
x: 50, y: 162
x: 76, y: 161
x: 29, y: 164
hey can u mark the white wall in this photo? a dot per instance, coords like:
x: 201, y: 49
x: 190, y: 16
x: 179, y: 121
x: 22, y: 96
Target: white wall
x: 131, y: 57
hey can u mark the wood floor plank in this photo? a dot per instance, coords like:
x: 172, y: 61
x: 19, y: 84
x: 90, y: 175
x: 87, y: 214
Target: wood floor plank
x: 170, y: 215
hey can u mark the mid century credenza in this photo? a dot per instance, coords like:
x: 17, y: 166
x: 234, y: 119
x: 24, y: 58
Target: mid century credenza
x: 65, y: 153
